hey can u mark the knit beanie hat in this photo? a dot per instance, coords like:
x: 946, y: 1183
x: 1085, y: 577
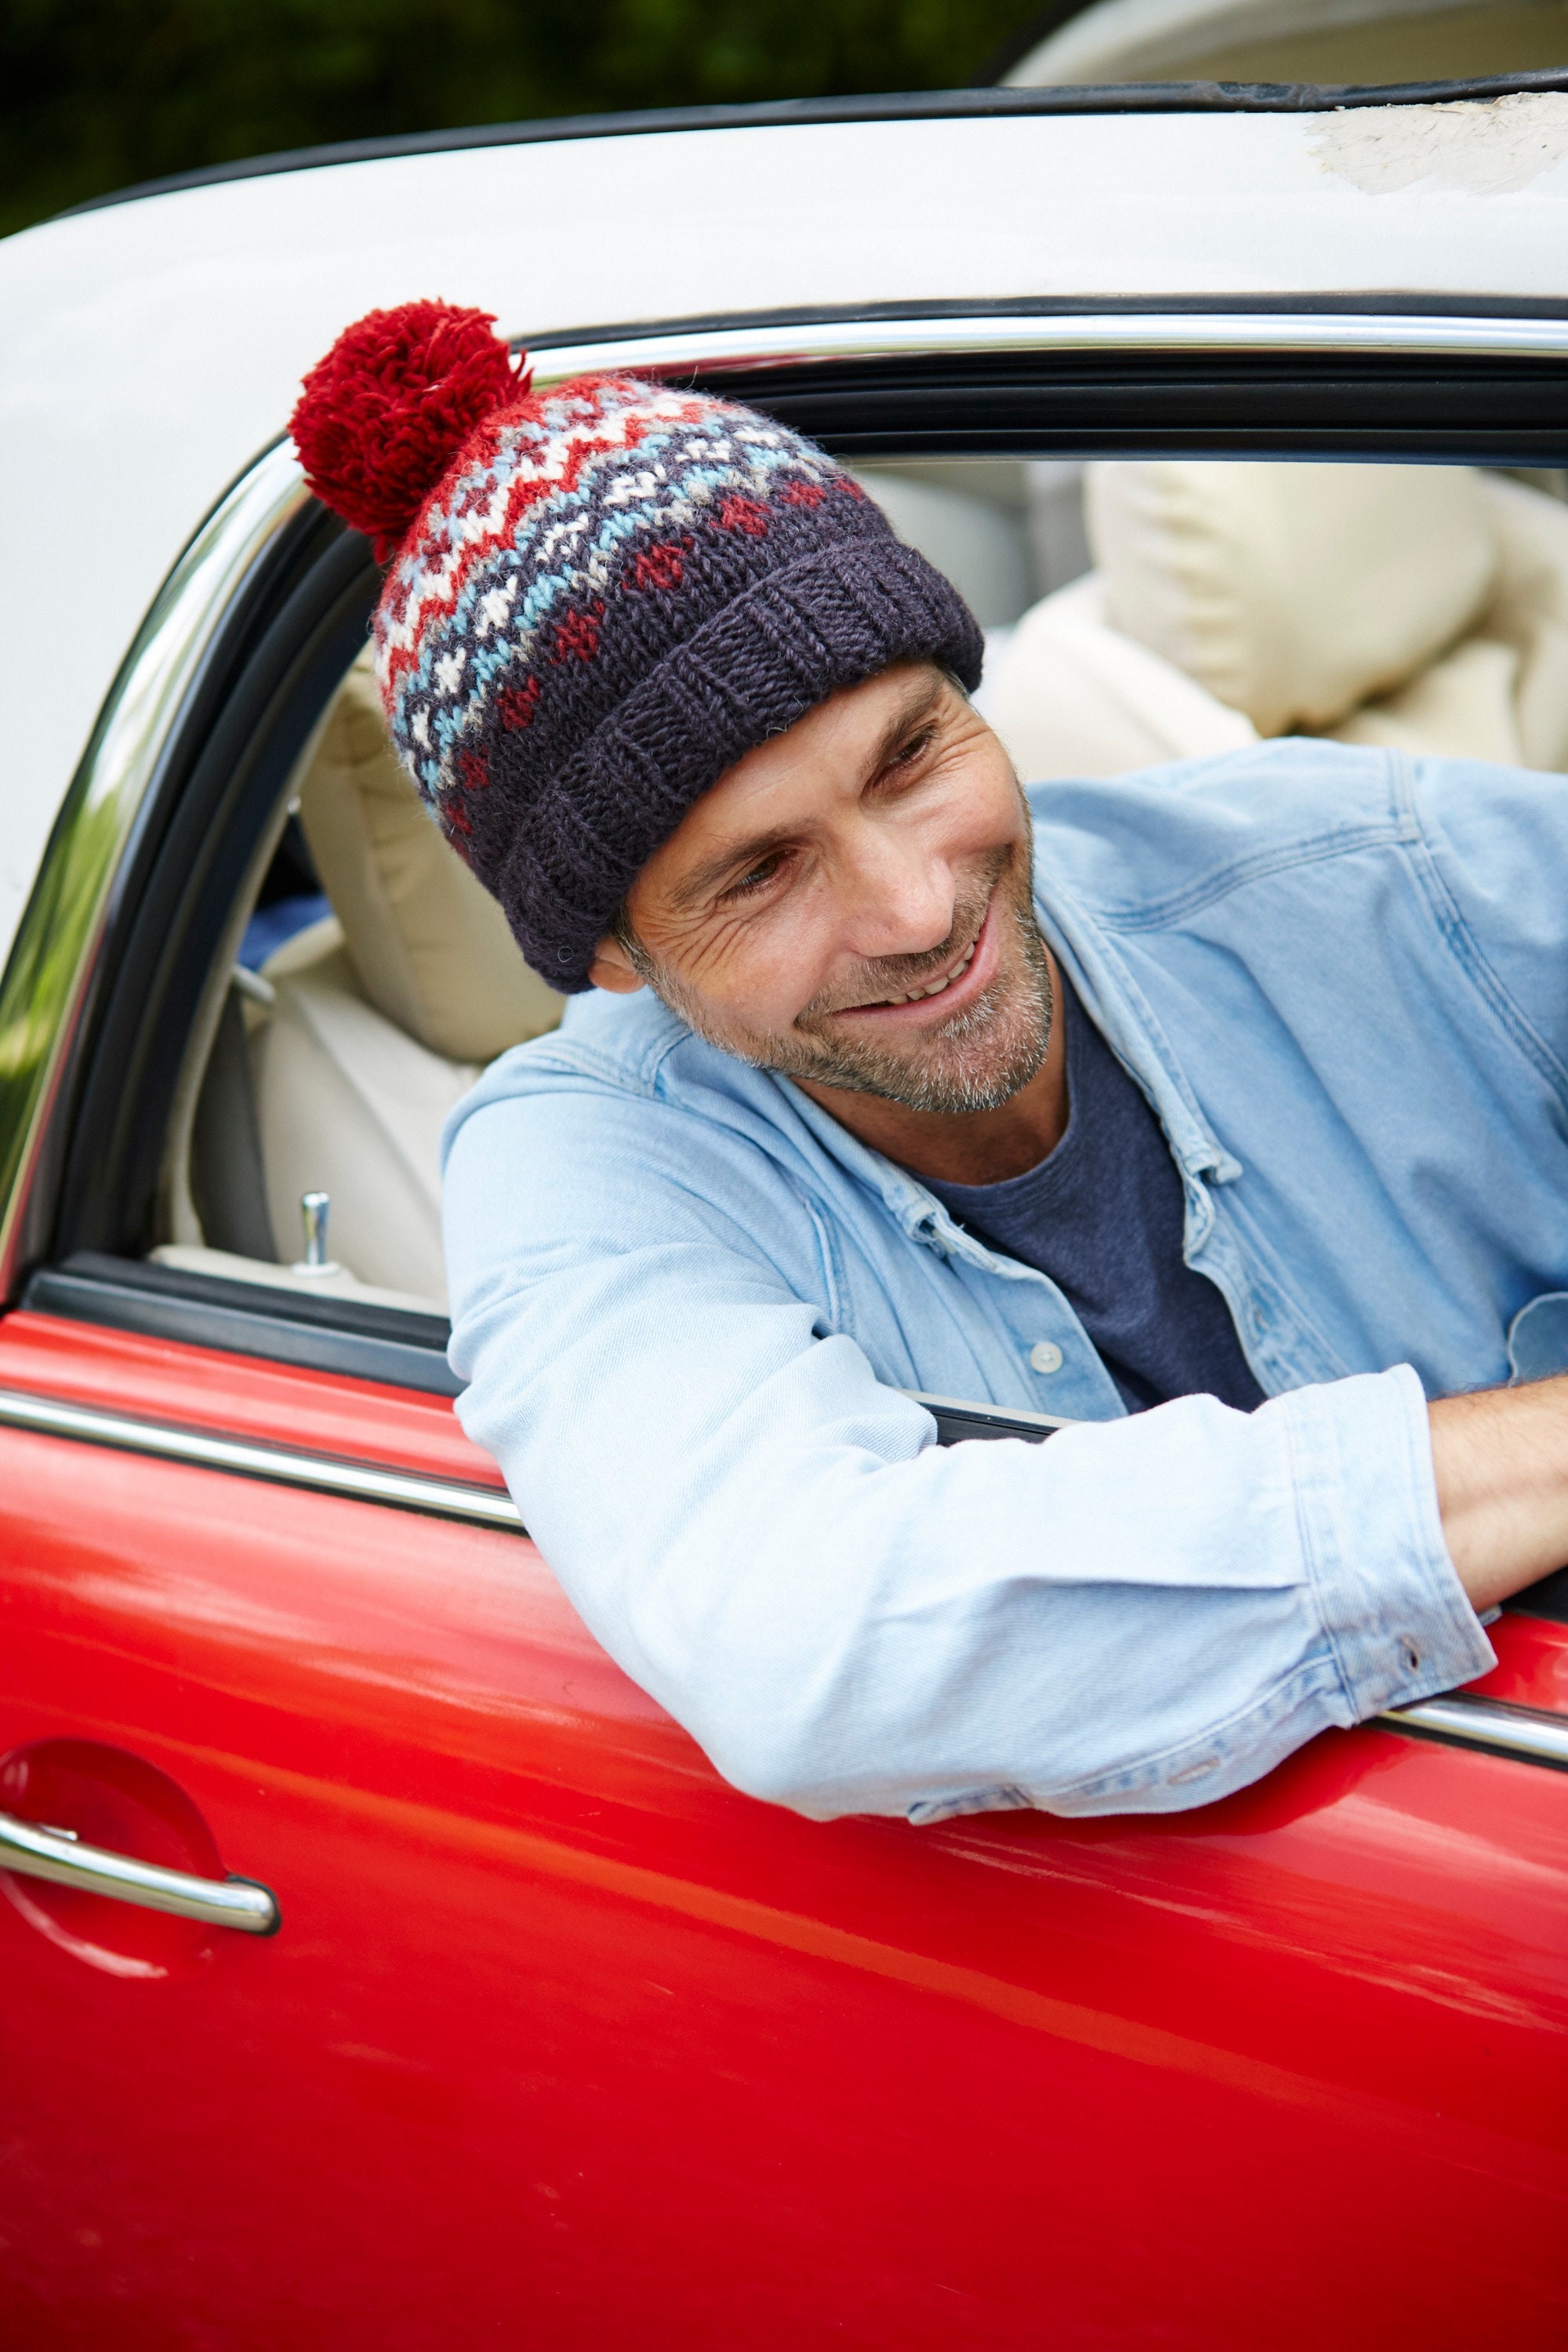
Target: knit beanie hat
x: 600, y: 598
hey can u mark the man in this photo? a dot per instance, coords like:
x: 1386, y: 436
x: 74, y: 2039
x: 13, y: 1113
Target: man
x: 1220, y: 1113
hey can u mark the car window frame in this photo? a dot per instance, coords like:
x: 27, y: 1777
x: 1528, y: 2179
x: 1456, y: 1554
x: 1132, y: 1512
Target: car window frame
x: 261, y: 616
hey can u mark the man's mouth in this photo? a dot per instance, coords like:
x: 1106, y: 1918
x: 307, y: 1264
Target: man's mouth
x: 932, y: 987
x: 956, y: 980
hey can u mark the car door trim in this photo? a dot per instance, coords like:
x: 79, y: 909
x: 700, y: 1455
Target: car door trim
x: 450, y: 1498
x: 1525, y: 1735
x: 51, y: 972
x: 331, y: 1334
x: 367, y: 1482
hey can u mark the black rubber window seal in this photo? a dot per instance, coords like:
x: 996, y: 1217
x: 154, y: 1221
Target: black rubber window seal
x: 387, y: 1344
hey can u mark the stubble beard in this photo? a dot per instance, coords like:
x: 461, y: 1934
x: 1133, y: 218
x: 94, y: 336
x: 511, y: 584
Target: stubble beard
x: 975, y: 1062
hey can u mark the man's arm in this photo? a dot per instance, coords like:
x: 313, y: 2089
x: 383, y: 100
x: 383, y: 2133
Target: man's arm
x: 1502, y: 1464
x: 1135, y: 1617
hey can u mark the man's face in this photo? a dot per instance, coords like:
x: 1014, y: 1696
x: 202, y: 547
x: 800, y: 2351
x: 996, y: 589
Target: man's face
x: 850, y: 905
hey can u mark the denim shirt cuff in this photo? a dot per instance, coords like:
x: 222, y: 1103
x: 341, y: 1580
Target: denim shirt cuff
x: 1398, y: 1619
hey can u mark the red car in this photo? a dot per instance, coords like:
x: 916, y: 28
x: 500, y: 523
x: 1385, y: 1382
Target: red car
x: 381, y: 1968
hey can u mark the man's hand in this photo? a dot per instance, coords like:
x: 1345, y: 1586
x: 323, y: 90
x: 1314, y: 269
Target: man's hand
x: 1501, y: 1460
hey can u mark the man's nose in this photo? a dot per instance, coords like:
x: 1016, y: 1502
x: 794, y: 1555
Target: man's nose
x: 902, y: 898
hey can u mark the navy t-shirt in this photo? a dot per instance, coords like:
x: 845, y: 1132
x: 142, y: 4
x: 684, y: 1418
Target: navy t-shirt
x: 1102, y: 1215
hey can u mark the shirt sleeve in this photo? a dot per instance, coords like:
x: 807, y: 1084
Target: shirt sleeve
x: 1137, y: 1615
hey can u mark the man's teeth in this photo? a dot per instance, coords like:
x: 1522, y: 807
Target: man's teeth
x: 937, y: 986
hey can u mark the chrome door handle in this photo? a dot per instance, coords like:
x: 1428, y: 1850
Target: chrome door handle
x: 57, y: 1855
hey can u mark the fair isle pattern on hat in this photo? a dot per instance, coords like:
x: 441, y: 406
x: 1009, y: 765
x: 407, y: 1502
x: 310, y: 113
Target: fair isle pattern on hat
x: 524, y: 546
x: 610, y: 598
x: 617, y: 590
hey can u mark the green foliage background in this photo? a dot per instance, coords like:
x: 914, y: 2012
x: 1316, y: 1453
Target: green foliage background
x: 97, y: 94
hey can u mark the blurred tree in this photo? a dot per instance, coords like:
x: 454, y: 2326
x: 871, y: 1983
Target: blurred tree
x: 97, y: 94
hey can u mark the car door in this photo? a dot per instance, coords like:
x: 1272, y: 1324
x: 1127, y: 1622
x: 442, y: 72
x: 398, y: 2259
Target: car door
x: 558, y: 2039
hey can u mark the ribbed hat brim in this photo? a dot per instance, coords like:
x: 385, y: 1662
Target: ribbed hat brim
x: 830, y: 620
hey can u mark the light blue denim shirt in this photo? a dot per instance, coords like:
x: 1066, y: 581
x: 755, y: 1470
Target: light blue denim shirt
x: 686, y: 1301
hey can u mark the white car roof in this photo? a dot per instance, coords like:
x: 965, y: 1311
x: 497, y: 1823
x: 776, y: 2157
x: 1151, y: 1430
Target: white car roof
x: 149, y: 349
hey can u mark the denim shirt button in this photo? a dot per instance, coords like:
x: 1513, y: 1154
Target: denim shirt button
x: 1045, y: 1356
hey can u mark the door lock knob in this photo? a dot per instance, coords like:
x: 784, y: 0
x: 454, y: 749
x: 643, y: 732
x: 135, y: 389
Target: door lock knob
x: 315, y: 1208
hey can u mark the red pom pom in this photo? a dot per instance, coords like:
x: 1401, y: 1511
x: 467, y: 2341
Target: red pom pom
x: 383, y: 415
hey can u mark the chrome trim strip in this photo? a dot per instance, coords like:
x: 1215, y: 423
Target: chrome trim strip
x: 1525, y: 1733
x: 716, y: 349
x: 34, y: 1853
x: 54, y: 954
x: 447, y: 1498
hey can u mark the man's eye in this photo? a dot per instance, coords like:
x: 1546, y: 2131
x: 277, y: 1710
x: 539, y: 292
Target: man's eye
x: 909, y: 752
x: 756, y: 879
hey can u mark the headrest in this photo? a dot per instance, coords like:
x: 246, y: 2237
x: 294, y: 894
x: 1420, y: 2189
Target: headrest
x: 1293, y: 592
x: 430, y: 948
x: 1069, y: 696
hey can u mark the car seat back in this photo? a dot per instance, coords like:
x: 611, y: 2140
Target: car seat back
x: 1293, y: 593
x: 430, y: 948
x: 383, y: 1017
x: 1425, y: 607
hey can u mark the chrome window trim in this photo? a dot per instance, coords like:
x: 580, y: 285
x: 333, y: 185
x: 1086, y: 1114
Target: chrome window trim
x: 1015, y: 1418
x: 1525, y: 1734
x: 364, y: 1482
x: 54, y: 958
x: 709, y: 350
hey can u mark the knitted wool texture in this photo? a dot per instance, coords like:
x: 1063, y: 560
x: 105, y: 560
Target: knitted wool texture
x: 613, y: 592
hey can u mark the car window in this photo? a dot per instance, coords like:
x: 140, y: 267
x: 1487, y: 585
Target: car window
x: 1135, y: 611
x: 373, y: 980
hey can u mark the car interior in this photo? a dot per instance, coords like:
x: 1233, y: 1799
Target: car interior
x: 1135, y: 612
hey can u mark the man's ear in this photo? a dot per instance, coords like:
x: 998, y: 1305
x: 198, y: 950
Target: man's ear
x: 612, y: 968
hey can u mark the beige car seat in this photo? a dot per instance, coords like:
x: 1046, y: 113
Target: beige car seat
x: 383, y: 1015
x: 1412, y: 606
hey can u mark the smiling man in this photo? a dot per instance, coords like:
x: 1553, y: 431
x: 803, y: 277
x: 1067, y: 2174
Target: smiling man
x: 1220, y: 1115
x: 826, y: 852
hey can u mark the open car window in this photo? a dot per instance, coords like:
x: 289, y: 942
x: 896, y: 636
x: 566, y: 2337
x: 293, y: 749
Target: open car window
x: 1135, y: 611
x: 365, y: 979
x: 304, y: 980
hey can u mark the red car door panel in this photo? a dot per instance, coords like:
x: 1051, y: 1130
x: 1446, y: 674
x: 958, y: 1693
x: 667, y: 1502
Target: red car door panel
x: 561, y: 2041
